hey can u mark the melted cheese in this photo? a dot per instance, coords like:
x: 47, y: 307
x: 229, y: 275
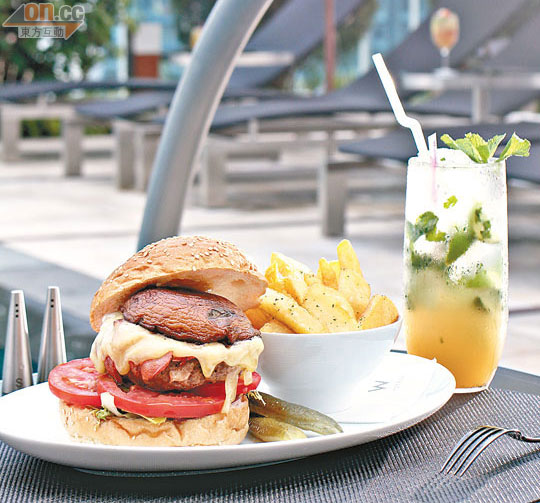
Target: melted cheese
x: 231, y: 380
x: 126, y: 342
x: 247, y: 376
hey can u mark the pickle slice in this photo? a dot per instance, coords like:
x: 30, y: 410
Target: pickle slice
x: 268, y: 429
x: 292, y: 413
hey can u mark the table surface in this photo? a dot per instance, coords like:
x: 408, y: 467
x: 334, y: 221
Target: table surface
x: 516, y: 381
x: 456, y: 80
x: 403, y: 467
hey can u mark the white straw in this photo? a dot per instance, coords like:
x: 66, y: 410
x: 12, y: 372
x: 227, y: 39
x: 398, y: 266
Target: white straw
x: 397, y: 107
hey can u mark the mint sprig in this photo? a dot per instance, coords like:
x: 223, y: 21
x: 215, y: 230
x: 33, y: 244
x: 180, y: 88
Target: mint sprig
x: 450, y: 202
x: 426, y: 225
x: 516, y: 146
x: 481, y: 151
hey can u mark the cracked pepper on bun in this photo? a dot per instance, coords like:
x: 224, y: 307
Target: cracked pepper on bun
x: 175, y: 353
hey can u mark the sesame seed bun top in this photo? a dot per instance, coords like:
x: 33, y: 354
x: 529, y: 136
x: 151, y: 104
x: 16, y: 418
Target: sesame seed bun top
x: 200, y: 263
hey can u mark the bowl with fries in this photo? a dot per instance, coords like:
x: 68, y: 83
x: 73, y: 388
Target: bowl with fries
x: 324, y: 333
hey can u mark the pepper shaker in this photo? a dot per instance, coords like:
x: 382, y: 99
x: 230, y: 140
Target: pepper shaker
x: 52, y: 349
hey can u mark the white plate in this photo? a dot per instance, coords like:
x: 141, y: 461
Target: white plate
x: 403, y: 391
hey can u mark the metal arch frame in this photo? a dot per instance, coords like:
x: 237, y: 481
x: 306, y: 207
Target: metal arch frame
x: 194, y: 104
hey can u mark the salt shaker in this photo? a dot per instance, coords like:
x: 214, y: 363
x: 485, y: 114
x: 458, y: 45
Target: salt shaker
x: 17, y: 370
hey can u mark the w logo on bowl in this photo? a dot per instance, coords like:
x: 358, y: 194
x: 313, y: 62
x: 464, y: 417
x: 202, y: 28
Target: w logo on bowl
x: 41, y: 20
x: 379, y: 385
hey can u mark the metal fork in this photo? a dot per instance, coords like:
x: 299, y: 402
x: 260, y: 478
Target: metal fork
x: 474, y: 443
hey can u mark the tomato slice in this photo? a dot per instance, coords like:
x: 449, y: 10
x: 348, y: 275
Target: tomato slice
x: 75, y: 383
x: 78, y: 383
x: 149, y: 403
x: 216, y: 389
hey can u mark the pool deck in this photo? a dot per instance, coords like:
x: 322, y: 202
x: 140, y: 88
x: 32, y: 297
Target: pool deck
x: 72, y: 232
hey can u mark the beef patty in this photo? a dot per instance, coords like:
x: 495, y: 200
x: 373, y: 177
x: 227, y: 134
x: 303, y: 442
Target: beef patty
x: 168, y: 373
x: 188, y: 316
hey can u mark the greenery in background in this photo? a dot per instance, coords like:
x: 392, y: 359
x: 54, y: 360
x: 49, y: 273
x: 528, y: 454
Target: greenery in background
x: 190, y: 13
x: 348, y: 36
x: 29, y: 59
x: 47, y: 59
x: 35, y: 128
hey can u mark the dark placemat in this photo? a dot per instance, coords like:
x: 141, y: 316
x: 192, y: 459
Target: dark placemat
x: 403, y: 467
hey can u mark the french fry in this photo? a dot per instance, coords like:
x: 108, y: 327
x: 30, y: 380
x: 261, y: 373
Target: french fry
x: 276, y: 327
x: 274, y: 279
x: 336, y: 299
x: 334, y: 264
x: 327, y: 274
x: 287, y: 275
x: 351, y: 282
x: 295, y: 286
x: 347, y: 256
x: 285, y: 309
x: 258, y: 317
x: 330, y: 308
x: 312, y: 279
x: 380, y: 311
x: 286, y: 265
x: 355, y: 289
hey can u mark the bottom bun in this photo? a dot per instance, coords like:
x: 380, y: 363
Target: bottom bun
x: 217, y: 429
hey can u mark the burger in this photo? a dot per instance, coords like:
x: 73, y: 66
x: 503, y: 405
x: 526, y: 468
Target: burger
x: 174, y: 355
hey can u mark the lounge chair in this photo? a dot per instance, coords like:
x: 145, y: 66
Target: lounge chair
x: 365, y: 95
x: 399, y: 146
x: 415, y: 54
x: 297, y: 27
x: 521, y: 53
x: 20, y: 91
x: 333, y: 111
x: 19, y: 101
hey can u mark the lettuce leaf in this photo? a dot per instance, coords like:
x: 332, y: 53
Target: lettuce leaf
x: 103, y: 413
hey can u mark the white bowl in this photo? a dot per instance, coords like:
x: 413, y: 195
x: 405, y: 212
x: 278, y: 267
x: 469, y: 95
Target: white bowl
x: 323, y: 371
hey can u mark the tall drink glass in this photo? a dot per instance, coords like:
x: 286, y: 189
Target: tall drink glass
x: 456, y: 264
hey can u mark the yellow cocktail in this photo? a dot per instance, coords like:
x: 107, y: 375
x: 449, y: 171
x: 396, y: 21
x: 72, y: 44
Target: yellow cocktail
x: 463, y: 337
x: 456, y: 264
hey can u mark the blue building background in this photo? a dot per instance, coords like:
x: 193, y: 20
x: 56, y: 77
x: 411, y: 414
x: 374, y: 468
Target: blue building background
x: 391, y: 22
